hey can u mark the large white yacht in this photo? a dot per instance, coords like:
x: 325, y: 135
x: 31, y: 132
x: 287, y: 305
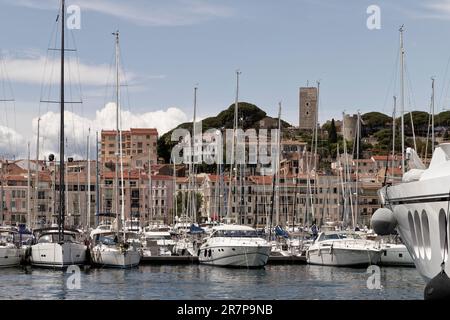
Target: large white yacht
x: 9, y: 252
x: 234, y: 246
x: 342, y: 248
x: 418, y: 208
x: 54, y: 251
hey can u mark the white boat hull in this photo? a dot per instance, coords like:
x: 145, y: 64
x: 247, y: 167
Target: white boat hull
x: 345, y: 257
x: 114, y: 257
x: 421, y: 222
x: 235, y: 256
x: 55, y: 255
x: 396, y: 255
x: 9, y: 257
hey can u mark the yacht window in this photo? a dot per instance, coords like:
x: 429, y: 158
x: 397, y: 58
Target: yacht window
x: 108, y: 240
x: 236, y: 233
x: 349, y: 236
x: 6, y: 237
x: 45, y: 239
x: 332, y: 236
x: 69, y: 238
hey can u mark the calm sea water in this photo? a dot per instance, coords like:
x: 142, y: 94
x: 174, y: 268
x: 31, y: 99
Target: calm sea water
x: 206, y: 282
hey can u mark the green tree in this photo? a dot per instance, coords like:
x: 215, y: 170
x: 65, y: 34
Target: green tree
x: 332, y: 135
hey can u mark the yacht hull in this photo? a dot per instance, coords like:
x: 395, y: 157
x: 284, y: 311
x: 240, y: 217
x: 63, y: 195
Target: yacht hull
x: 343, y: 257
x: 235, y: 256
x: 9, y: 257
x: 396, y: 255
x: 55, y: 255
x: 114, y: 257
x: 421, y: 212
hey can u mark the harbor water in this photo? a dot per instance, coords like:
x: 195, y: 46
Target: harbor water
x: 198, y: 282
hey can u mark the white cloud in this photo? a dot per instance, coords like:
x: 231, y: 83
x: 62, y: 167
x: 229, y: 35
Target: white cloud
x: 76, y: 127
x: 30, y: 69
x: 143, y: 12
x: 11, y: 143
x: 435, y: 9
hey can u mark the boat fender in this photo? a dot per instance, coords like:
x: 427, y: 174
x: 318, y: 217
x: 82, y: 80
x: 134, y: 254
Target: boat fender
x: 438, y: 288
x: 383, y: 222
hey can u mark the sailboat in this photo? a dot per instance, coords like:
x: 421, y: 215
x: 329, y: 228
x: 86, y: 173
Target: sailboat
x: 10, y: 254
x: 233, y: 245
x: 110, y: 247
x: 58, y: 247
x: 186, y: 243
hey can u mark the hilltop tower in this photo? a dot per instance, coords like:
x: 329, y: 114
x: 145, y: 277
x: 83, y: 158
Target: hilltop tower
x: 308, y: 108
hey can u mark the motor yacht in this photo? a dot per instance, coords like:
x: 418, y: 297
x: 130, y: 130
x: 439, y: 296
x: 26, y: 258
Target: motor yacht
x: 342, y: 248
x: 234, y: 246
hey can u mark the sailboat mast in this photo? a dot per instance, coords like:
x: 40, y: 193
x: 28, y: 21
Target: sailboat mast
x: 36, y: 187
x: 277, y: 166
x: 393, y: 138
x: 236, y: 110
x: 358, y: 137
x: 402, y: 96
x: 193, y: 159
x: 116, y: 176
x: 275, y: 161
x: 432, y: 116
x: 88, y: 211
x: 28, y: 188
x: 97, y: 185
x: 61, y: 131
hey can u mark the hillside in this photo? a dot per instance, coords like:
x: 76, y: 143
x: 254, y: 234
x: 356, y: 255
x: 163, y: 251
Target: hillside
x: 249, y: 115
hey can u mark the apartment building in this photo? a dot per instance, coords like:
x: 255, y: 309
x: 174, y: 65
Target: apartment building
x: 136, y: 143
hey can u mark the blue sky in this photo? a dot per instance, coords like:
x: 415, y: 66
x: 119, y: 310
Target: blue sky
x: 169, y: 46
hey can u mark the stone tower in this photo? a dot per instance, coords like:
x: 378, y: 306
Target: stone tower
x: 349, y: 126
x: 308, y: 108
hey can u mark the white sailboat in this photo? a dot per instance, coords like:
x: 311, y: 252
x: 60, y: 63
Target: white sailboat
x: 58, y: 247
x: 112, y: 248
x: 10, y: 254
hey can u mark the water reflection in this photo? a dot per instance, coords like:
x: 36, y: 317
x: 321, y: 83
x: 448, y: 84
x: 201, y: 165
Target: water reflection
x: 207, y: 282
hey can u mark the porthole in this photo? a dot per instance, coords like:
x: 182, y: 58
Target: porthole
x: 413, y: 234
x: 419, y: 236
x: 442, y: 234
x: 426, y: 235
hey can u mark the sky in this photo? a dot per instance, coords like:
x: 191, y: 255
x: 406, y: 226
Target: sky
x: 169, y: 47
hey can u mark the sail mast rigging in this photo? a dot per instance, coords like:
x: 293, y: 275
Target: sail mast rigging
x: 61, y: 131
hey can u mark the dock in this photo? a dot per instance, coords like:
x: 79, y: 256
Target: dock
x: 180, y: 260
